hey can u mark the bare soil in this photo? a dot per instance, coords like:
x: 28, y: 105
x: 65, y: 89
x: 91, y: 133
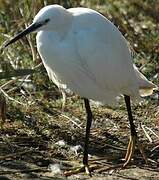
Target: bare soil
x: 29, y: 147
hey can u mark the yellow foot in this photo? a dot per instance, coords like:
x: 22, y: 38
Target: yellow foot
x: 84, y: 168
x: 130, y: 150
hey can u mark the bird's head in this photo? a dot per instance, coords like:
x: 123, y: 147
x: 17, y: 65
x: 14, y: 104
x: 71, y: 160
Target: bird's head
x: 51, y: 17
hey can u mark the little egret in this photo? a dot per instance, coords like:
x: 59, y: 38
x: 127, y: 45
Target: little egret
x: 84, y: 51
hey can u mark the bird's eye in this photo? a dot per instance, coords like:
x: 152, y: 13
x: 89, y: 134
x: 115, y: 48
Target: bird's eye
x: 47, y: 20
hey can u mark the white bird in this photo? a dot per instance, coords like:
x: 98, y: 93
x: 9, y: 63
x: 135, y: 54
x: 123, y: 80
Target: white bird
x: 84, y: 51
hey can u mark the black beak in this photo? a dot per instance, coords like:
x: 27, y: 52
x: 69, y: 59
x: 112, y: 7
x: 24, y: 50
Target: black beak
x: 28, y: 30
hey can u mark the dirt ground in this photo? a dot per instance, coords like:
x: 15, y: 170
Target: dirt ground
x: 32, y: 150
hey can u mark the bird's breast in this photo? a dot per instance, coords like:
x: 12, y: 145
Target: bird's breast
x: 52, y: 47
x: 56, y: 53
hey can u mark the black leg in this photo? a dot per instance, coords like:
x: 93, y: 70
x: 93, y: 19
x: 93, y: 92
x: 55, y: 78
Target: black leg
x: 130, y: 117
x: 133, y: 138
x: 85, y: 166
x: 88, y: 126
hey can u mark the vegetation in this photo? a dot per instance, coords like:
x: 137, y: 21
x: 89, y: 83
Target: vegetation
x: 32, y: 120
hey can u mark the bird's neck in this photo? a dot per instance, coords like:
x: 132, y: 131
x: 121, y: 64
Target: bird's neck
x: 64, y: 25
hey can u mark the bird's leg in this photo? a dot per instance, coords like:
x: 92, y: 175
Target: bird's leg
x: 85, y: 167
x: 133, y: 137
x: 88, y: 126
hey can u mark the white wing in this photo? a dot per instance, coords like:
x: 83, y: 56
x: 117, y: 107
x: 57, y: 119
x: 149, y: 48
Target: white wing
x: 105, y: 55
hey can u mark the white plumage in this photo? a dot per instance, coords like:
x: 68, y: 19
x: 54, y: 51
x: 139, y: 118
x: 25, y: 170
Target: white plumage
x: 84, y: 50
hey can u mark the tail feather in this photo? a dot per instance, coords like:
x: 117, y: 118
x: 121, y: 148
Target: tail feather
x: 146, y: 87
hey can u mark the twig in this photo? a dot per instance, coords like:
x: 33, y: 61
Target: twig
x: 10, y: 98
x: 109, y: 167
x: 2, y: 110
x: 152, y: 161
x: 115, y: 147
x: 153, y: 149
x: 15, y: 154
x: 63, y: 115
x: 146, y: 134
x: 152, y: 131
x: 79, y: 170
x: 8, y: 83
x: 24, y: 171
